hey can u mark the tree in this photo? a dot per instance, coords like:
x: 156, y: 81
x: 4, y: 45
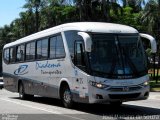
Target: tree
x: 135, y: 4
x: 150, y: 17
x: 34, y: 6
x: 130, y: 18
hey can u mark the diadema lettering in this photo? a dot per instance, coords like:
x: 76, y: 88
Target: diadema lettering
x: 46, y: 65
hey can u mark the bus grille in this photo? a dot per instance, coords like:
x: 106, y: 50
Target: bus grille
x: 124, y: 96
x: 121, y: 89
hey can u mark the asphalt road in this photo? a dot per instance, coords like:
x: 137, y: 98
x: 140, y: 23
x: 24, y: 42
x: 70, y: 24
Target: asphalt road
x: 40, y: 108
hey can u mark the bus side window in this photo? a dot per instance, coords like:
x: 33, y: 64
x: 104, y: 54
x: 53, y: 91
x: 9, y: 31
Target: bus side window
x: 20, y: 53
x: 42, y: 49
x: 12, y: 55
x: 79, y: 59
x: 60, y: 52
x: 30, y: 51
x: 56, y: 47
x: 70, y: 38
x: 6, y: 56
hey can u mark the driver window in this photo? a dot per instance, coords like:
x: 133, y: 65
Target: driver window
x: 80, y: 55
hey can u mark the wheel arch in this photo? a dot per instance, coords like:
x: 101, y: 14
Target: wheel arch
x: 63, y: 82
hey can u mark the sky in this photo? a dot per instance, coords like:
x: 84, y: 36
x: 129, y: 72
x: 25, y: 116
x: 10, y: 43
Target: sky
x: 9, y: 10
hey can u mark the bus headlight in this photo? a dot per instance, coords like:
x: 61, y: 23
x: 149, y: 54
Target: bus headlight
x: 98, y: 85
x: 145, y: 83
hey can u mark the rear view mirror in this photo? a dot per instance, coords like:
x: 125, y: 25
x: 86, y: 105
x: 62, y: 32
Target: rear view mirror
x: 152, y: 41
x: 87, y: 41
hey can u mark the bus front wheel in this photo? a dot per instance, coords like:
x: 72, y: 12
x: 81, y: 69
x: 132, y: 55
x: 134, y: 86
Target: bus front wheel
x: 116, y: 103
x: 66, y: 96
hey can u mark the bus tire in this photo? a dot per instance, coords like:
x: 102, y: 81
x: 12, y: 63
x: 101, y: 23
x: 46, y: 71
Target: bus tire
x: 22, y: 94
x: 116, y: 103
x: 66, y: 96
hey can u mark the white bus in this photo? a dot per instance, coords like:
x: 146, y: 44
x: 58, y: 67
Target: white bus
x: 87, y: 62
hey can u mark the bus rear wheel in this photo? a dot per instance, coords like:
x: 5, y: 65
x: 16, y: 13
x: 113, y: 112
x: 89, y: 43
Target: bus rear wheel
x: 22, y: 94
x: 66, y: 97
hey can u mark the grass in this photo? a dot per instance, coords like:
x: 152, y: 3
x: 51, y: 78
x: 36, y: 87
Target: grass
x: 153, y: 85
x: 155, y: 89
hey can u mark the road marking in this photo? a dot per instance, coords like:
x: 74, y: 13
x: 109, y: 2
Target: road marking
x: 54, y: 112
x: 39, y: 108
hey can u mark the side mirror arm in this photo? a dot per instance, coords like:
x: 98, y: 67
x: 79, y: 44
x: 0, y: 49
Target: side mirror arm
x: 152, y: 41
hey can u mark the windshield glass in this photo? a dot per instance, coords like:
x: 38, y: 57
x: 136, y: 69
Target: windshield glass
x: 117, y: 56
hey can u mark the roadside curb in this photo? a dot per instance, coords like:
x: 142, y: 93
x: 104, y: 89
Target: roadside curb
x: 153, y: 90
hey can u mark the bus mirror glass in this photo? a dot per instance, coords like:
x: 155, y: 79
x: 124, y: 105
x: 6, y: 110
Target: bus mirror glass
x: 87, y: 41
x: 152, y: 41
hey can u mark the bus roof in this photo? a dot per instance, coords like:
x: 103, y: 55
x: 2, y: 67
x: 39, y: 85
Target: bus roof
x: 98, y: 27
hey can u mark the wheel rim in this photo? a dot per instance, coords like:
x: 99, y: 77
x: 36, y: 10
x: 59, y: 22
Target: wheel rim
x: 67, y: 96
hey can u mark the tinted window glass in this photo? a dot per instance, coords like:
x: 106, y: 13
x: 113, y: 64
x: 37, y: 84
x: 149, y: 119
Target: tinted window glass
x: 39, y: 49
x: 53, y: 47
x: 71, y: 37
x: 6, y: 56
x: 56, y: 47
x: 42, y: 49
x: 30, y: 51
x: 59, y: 48
x: 79, y: 54
x: 20, y: 53
x: 12, y: 55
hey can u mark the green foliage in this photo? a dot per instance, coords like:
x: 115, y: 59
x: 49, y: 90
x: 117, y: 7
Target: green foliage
x: 148, y: 52
x: 151, y: 17
x: 130, y: 18
x: 42, y: 14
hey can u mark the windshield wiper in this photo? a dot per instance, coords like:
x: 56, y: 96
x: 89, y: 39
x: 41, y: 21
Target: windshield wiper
x: 120, y: 51
x: 111, y: 73
x: 112, y: 67
x: 131, y: 64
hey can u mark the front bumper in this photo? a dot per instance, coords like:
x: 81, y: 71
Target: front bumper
x: 117, y: 94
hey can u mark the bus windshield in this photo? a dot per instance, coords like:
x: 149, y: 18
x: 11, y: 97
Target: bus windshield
x: 117, y: 56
